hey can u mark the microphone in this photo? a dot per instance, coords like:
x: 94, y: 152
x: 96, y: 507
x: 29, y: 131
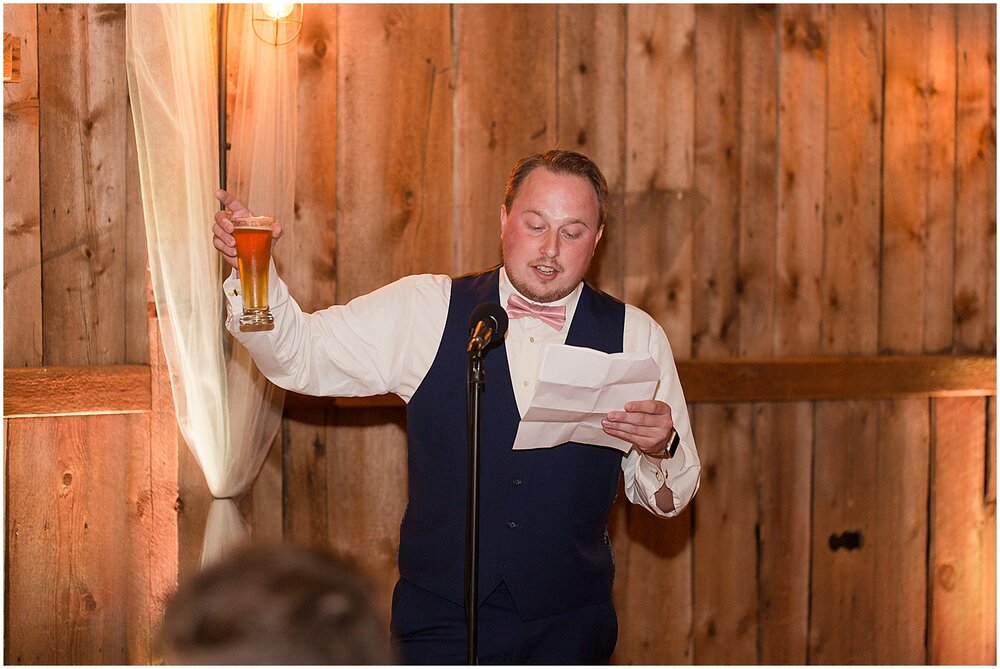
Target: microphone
x: 488, y: 321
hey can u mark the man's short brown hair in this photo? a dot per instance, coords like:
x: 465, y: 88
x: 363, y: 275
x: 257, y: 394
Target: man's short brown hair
x: 275, y: 605
x: 559, y: 162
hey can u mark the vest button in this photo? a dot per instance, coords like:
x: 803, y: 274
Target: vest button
x: 512, y: 524
x: 516, y: 481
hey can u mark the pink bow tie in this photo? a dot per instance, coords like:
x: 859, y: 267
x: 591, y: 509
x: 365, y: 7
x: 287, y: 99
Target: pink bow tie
x: 518, y: 307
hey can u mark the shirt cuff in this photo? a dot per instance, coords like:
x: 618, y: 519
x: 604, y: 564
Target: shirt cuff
x: 657, y: 473
x: 234, y: 300
x: 652, y: 476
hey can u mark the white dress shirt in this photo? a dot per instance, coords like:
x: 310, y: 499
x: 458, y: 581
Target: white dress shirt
x: 386, y: 341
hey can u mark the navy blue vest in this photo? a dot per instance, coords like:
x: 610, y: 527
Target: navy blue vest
x: 543, y: 512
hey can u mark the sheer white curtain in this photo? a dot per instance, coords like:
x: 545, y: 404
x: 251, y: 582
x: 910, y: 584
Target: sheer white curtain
x: 227, y: 411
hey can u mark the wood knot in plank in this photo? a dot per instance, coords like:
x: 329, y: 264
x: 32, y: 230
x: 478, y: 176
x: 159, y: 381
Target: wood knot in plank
x: 806, y: 34
x: 19, y: 225
x: 492, y: 143
x: 966, y: 306
x: 319, y: 49
x: 847, y: 540
x: 89, y: 603
x: 947, y: 577
x: 24, y: 111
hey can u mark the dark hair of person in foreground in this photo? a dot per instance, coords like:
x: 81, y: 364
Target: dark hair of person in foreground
x: 275, y: 605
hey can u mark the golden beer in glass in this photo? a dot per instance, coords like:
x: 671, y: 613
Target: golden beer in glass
x: 253, y: 256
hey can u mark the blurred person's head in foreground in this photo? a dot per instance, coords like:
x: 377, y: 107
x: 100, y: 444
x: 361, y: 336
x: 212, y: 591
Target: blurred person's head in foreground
x: 275, y: 605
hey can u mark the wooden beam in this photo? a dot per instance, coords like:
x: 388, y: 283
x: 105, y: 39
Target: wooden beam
x: 797, y: 379
x: 837, y: 378
x: 63, y: 391
x: 69, y: 391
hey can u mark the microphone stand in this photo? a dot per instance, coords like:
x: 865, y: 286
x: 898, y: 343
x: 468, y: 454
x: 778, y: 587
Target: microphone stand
x: 476, y: 382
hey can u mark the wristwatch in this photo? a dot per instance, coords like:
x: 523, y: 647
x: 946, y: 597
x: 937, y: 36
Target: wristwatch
x: 672, y: 443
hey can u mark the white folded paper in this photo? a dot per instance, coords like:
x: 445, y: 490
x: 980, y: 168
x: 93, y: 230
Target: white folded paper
x: 577, y: 387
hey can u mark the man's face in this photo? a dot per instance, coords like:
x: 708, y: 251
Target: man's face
x: 550, y: 234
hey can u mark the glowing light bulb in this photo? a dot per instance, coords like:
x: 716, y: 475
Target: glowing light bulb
x: 278, y: 10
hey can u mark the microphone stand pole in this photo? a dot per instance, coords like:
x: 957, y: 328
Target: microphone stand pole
x: 476, y: 381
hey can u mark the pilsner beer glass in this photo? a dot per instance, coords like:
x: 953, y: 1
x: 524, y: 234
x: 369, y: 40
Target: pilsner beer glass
x: 253, y: 255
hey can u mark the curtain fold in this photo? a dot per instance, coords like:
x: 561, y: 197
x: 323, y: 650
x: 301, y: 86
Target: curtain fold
x: 227, y: 411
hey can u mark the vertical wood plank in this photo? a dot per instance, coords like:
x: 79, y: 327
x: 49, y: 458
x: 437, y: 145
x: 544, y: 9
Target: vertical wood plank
x: 136, y: 319
x: 725, y: 590
x: 139, y: 610
x: 22, y: 264
x: 305, y: 484
x: 193, y: 501
x: 655, y: 576
x: 758, y: 147
x: 261, y: 506
x: 783, y: 464
x: 725, y: 531
x: 940, y: 226
x: 368, y: 493
x: 782, y: 433
x: 900, y: 501
x: 660, y: 199
x: 990, y: 529
x: 991, y: 451
x: 716, y: 180
x: 394, y: 177
x: 8, y: 533
x: 802, y: 139
x: 802, y: 87
x: 659, y: 207
x: 83, y: 170
x: 306, y: 255
x: 963, y: 545
x: 505, y: 109
x: 591, y: 116
x: 883, y: 624
x: 849, y: 288
x: 976, y: 181
x: 308, y: 264
x: 842, y: 603
x: 918, y: 180
x: 68, y: 538
x: 918, y: 233
x: 152, y: 496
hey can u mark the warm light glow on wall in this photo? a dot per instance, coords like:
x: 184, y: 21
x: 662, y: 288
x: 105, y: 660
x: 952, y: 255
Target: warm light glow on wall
x: 277, y: 22
x: 278, y: 10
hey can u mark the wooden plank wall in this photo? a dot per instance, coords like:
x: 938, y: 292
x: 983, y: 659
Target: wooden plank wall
x: 90, y: 527
x: 785, y: 181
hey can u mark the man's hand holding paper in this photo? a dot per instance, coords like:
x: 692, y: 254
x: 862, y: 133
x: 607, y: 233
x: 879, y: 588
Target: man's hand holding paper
x: 595, y: 398
x: 647, y: 424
